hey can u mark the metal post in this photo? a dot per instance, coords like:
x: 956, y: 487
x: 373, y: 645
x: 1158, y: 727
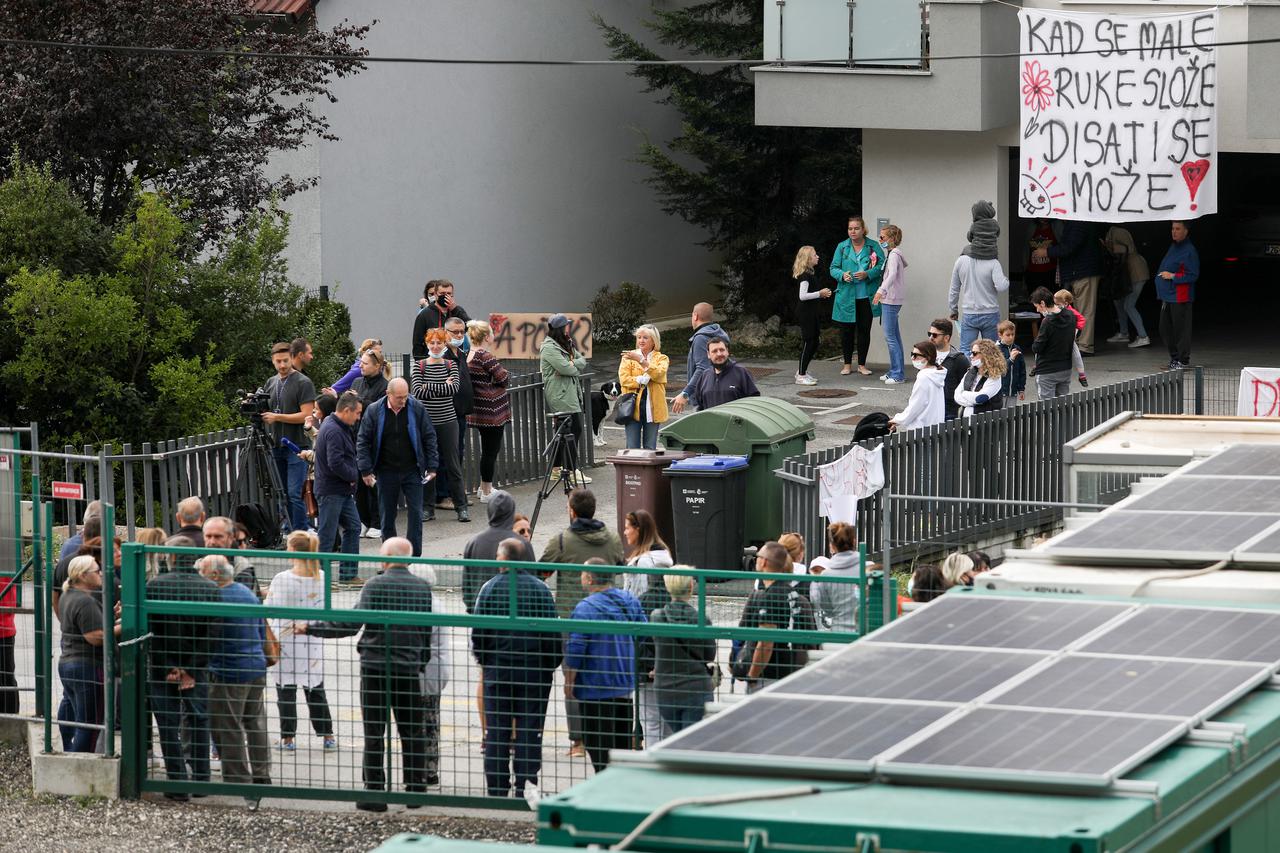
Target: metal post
x: 1199, y: 390
x: 864, y: 610
x: 108, y: 604
x: 781, y: 5
x: 885, y: 566
x: 47, y: 651
x: 851, y: 4
x: 134, y: 722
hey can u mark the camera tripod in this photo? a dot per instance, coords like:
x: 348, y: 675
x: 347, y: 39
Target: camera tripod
x: 563, y: 443
x: 259, y: 465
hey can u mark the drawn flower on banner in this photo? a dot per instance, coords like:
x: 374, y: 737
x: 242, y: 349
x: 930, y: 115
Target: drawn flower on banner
x: 1037, y: 91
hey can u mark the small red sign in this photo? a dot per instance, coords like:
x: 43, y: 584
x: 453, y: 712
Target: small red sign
x: 71, y: 491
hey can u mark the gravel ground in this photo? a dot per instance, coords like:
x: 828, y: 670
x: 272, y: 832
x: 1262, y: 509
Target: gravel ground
x: 29, y: 822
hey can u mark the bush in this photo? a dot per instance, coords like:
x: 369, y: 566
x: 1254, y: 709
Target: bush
x: 615, y: 314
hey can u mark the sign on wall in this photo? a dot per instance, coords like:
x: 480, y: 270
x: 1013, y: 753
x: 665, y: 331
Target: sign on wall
x: 520, y: 335
x: 1259, y: 395
x: 1119, y: 116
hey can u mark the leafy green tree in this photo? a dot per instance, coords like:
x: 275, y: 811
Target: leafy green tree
x: 759, y: 192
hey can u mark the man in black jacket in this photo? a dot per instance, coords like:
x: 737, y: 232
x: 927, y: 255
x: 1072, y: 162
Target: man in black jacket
x: 440, y: 307
x: 954, y: 362
x: 1052, y: 346
x: 391, y: 661
x: 518, y: 667
x: 484, y: 546
x: 335, y: 483
x: 178, y: 687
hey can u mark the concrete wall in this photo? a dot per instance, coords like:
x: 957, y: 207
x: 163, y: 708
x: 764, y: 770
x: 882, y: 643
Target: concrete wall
x: 514, y: 182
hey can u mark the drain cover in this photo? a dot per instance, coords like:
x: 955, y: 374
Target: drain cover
x: 828, y: 393
x: 761, y: 372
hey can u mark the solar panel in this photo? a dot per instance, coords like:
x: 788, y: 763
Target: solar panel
x: 898, y: 672
x: 1220, y: 494
x: 1265, y: 549
x: 832, y: 733
x: 1000, y: 623
x: 1193, y: 689
x: 1195, y: 633
x: 1166, y: 536
x: 1242, y: 460
x: 1002, y: 744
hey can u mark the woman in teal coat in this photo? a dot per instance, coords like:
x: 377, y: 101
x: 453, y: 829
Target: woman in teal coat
x: 856, y: 266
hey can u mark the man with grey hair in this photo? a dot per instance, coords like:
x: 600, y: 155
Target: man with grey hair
x: 237, y: 674
x: 75, y: 540
x: 396, y: 449
x: 220, y: 532
x: 190, y: 516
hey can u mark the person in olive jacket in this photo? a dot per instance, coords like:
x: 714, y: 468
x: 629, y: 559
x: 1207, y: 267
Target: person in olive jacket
x: 562, y: 367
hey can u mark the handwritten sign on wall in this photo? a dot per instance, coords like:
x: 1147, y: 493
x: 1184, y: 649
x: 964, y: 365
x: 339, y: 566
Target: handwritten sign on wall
x: 1259, y: 395
x: 1119, y: 116
x: 520, y: 335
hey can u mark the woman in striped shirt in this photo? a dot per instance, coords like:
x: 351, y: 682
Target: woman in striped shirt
x: 435, y: 383
x: 492, y: 401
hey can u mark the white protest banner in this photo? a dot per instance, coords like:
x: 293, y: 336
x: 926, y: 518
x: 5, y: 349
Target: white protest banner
x: 857, y: 474
x: 1259, y: 395
x: 521, y: 335
x: 1119, y: 116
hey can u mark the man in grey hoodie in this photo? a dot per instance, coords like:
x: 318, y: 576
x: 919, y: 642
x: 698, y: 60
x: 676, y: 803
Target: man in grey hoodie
x: 698, y: 361
x: 977, y: 278
x: 484, y: 546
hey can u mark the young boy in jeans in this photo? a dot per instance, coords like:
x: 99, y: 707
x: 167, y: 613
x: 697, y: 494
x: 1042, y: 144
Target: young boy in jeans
x: 1065, y: 299
x: 1014, y: 381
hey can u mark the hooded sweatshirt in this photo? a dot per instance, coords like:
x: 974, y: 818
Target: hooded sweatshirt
x: 681, y: 663
x: 983, y: 233
x: 893, y: 287
x: 926, y: 406
x: 637, y: 583
x: 484, y: 545
x: 1053, y: 345
x: 837, y: 603
x: 698, y: 360
x: 605, y: 663
x: 975, y: 285
x: 583, y: 539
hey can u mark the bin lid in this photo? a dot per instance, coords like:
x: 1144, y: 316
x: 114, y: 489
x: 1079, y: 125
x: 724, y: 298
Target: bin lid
x: 707, y: 463
x: 740, y: 426
x: 642, y: 456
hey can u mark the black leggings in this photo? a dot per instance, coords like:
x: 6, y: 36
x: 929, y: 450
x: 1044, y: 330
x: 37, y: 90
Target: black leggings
x: 317, y: 709
x: 450, y: 460
x: 810, y: 331
x: 863, y: 327
x: 490, y: 447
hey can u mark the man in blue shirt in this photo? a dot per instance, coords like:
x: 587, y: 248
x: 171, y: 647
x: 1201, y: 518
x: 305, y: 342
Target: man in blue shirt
x: 1176, y: 280
x: 237, y: 676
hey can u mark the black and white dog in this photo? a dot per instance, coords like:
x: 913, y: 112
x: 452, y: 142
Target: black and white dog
x: 601, y: 402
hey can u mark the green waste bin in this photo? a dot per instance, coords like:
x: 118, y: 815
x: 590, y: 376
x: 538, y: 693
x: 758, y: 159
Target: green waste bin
x: 765, y: 429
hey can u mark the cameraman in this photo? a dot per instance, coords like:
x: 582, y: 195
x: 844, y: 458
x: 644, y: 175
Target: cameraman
x: 439, y: 308
x: 292, y: 397
x: 562, y: 367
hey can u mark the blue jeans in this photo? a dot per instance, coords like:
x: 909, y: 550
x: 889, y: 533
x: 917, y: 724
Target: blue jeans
x: 642, y: 435
x: 978, y: 326
x: 190, y: 760
x: 1127, y: 309
x: 293, y: 473
x: 513, y: 704
x: 682, y: 711
x: 893, y: 339
x: 392, y: 484
x: 82, y: 686
x: 335, y: 510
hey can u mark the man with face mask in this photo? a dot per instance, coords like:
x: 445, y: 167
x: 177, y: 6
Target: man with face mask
x: 463, y: 403
x: 1052, y: 346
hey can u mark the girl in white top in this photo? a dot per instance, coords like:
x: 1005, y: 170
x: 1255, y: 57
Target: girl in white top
x: 814, y: 304
x: 644, y: 548
x: 927, y: 404
x: 979, y: 391
x: 301, y: 655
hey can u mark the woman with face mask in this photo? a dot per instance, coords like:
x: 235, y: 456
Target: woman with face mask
x: 926, y: 406
x: 435, y: 383
x: 980, y: 389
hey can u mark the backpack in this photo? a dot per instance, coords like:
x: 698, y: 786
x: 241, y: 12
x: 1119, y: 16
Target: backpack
x: 263, y: 532
x: 874, y: 425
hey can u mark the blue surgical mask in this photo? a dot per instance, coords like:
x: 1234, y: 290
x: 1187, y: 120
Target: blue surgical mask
x: 457, y: 342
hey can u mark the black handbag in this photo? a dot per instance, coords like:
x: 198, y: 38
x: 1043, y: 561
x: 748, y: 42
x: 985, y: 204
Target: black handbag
x: 624, y: 411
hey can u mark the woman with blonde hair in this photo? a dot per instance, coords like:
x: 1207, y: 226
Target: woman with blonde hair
x: 492, y: 406
x: 794, y: 543
x: 814, y: 305
x: 80, y: 664
x: 348, y: 379
x: 682, y: 667
x: 151, y: 536
x: 301, y: 655
x: 957, y: 570
x: 980, y: 389
x: 643, y: 372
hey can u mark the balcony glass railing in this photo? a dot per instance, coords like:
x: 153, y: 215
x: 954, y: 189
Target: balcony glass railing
x: 879, y: 33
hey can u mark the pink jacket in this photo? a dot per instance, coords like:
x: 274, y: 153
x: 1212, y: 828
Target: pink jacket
x: 893, y: 287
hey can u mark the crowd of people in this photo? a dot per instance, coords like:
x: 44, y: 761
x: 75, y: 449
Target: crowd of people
x: 1065, y: 266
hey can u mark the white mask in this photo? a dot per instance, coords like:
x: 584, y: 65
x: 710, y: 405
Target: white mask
x: 919, y: 364
x: 975, y: 361
x: 457, y: 342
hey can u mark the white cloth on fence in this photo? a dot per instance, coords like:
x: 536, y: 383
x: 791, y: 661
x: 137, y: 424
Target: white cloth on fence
x: 301, y: 655
x: 857, y: 474
x: 1259, y: 393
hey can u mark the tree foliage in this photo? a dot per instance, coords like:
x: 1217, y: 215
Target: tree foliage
x: 201, y: 128
x: 759, y: 192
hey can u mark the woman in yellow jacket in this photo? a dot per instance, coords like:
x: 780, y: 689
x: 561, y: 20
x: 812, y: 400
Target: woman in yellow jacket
x: 643, y: 372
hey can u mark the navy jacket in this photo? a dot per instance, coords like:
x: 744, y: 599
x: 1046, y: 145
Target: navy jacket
x: 335, y: 451
x: 712, y: 389
x: 508, y: 655
x: 1183, y: 261
x: 421, y: 434
x: 1079, y: 252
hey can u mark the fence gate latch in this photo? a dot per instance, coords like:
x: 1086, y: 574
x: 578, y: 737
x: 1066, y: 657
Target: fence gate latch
x: 755, y: 840
x: 867, y: 842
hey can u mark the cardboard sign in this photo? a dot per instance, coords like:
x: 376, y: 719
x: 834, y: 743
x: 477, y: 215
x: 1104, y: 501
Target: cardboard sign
x: 1259, y: 395
x: 520, y: 335
x: 1119, y: 116
x: 70, y: 491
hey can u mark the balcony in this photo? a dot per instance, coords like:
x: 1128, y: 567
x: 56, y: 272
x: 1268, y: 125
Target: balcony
x: 869, y: 64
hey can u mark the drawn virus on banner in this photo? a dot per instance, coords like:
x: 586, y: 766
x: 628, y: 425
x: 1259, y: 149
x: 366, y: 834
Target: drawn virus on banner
x: 1036, y: 195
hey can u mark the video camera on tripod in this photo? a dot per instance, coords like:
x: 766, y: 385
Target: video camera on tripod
x: 252, y: 404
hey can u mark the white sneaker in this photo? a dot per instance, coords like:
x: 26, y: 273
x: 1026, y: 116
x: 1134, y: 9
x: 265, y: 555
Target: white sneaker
x: 599, y: 440
x: 1118, y: 338
x: 580, y: 477
x: 1143, y: 341
x: 894, y: 381
x: 811, y: 376
x: 364, y: 530
x: 802, y: 379
x: 485, y: 496
x: 373, y: 533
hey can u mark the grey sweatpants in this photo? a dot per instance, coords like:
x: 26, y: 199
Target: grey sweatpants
x: 238, y: 722
x: 1054, y: 384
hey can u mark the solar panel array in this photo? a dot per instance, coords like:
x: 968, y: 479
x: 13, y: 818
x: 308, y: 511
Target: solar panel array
x: 1225, y: 507
x: 1012, y: 691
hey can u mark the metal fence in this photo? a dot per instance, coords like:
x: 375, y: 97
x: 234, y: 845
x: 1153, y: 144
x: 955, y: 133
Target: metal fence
x: 1211, y: 391
x: 341, y: 746
x: 1013, y: 454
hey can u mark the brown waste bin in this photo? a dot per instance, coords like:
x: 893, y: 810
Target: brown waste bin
x: 640, y: 485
